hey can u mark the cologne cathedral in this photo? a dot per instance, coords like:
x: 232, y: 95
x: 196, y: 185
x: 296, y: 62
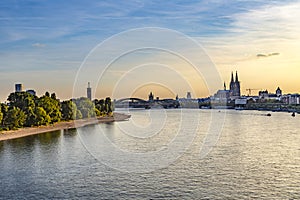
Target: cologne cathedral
x: 235, y: 88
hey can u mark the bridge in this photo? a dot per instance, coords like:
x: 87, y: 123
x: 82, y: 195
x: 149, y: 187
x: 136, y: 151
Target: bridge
x: 132, y: 103
x: 141, y: 103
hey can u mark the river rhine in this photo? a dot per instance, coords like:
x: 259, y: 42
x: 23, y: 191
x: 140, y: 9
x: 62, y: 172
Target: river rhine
x: 157, y: 154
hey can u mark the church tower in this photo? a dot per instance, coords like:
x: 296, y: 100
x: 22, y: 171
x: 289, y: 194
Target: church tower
x: 235, y: 88
x: 237, y: 85
x: 278, y: 92
x: 151, y: 97
x: 231, y: 85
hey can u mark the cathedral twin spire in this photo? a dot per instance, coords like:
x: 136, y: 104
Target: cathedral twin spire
x: 235, y: 89
x: 236, y: 77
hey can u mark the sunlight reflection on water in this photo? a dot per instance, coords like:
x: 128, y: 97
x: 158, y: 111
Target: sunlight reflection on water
x: 255, y: 157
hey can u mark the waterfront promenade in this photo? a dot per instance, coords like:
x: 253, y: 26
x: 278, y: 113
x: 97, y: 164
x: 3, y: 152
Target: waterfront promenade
x: 23, y: 132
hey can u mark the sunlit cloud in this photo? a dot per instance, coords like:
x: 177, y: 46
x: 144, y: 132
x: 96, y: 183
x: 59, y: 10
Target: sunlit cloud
x: 270, y: 28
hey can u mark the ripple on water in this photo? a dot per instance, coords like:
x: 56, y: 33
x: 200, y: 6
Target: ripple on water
x: 256, y: 157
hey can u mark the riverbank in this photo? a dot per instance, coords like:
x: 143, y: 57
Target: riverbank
x: 23, y: 132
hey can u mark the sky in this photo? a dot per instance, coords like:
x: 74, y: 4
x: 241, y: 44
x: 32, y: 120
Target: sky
x: 58, y: 46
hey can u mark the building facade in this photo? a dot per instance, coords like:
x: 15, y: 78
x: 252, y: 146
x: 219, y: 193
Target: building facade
x: 224, y: 98
x: 18, y: 87
x: 221, y: 97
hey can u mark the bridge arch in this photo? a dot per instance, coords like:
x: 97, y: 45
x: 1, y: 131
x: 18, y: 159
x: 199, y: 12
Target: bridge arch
x: 131, y: 102
x: 131, y: 99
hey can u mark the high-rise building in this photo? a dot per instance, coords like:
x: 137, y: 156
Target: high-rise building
x: 18, y: 87
x: 89, y: 91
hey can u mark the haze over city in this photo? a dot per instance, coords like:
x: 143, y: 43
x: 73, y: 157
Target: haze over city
x: 259, y: 39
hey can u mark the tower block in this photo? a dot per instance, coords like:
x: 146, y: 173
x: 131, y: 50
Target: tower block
x: 89, y: 91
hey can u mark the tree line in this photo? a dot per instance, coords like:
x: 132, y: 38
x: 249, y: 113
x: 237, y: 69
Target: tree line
x: 26, y: 110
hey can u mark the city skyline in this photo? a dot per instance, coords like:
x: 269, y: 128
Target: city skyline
x: 43, y: 44
x: 147, y: 90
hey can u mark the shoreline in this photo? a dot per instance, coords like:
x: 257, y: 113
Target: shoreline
x: 27, y: 131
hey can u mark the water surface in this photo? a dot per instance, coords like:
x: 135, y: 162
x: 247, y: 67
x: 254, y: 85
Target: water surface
x: 255, y: 157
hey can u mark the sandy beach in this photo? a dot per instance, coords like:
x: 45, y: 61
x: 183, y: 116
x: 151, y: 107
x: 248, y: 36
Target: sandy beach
x: 23, y: 132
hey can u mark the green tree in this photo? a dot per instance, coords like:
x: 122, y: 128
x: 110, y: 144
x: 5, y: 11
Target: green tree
x: 68, y: 110
x: 22, y: 100
x: 86, y: 107
x: 26, y: 102
x: 53, y: 96
x: 3, y: 110
x: 100, y: 105
x: 42, y: 118
x: 51, y: 106
x: 108, y: 106
x: 103, y: 107
x: 14, y: 118
x: 1, y: 114
x: 30, y: 117
x: 98, y: 113
x: 78, y: 114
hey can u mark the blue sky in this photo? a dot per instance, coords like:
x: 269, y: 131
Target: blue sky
x: 43, y: 42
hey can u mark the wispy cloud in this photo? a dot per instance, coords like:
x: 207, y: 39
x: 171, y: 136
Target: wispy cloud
x: 268, y: 31
x: 269, y: 21
x: 268, y: 28
x: 266, y: 55
x: 58, y: 35
x: 38, y: 45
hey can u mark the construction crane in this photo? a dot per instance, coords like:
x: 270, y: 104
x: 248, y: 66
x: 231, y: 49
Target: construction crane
x: 249, y: 90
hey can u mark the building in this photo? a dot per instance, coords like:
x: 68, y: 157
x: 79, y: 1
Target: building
x: 188, y: 95
x: 292, y: 99
x: 278, y: 92
x: 89, y: 91
x: 31, y: 91
x: 235, y: 86
x: 225, y: 98
x: 221, y: 97
x: 18, y: 87
x: 188, y: 102
x: 240, y: 103
x: 264, y: 94
x: 151, y: 97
